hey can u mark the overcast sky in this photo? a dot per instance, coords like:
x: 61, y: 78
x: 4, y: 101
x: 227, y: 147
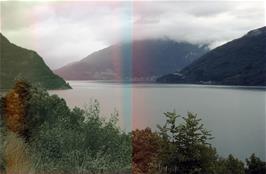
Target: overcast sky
x: 63, y: 32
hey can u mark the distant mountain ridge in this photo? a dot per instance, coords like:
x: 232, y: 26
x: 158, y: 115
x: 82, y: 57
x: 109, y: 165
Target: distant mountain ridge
x: 17, y: 62
x: 238, y: 62
x: 142, y: 60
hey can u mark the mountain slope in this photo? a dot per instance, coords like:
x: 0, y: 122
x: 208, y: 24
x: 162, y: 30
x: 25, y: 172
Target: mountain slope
x: 138, y: 60
x: 17, y: 62
x: 239, y: 62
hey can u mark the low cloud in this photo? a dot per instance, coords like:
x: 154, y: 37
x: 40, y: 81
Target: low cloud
x: 63, y: 32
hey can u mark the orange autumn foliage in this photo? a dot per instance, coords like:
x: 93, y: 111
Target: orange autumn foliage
x: 145, y: 145
x: 15, y: 108
x: 14, y: 116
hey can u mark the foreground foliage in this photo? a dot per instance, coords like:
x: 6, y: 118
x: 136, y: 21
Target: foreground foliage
x: 182, y: 147
x: 40, y: 134
x: 63, y: 140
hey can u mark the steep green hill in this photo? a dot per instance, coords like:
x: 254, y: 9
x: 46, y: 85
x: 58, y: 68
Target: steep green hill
x: 17, y: 63
x: 239, y: 62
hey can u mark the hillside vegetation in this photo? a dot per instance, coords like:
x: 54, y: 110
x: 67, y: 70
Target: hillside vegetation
x: 239, y: 62
x: 20, y: 63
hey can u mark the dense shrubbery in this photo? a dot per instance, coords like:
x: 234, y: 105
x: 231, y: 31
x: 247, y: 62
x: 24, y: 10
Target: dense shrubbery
x: 40, y: 134
x: 61, y: 140
x: 181, y: 147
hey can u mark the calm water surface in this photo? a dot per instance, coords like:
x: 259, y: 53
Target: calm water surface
x: 236, y: 116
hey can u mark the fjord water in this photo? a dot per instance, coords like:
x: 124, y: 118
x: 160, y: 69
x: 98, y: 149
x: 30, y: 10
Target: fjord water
x: 235, y: 115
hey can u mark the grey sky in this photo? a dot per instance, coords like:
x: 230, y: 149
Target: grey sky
x: 63, y: 32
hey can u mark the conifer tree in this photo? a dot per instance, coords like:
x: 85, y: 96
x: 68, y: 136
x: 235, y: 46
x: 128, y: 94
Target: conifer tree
x: 190, y: 141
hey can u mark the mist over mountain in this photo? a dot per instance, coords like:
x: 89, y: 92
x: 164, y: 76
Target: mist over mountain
x: 21, y: 63
x: 139, y: 60
x: 239, y: 62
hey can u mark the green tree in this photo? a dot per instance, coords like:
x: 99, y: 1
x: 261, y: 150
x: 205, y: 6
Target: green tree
x: 255, y: 165
x: 191, y: 153
x: 230, y: 165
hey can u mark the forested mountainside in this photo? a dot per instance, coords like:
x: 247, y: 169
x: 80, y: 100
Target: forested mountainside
x: 239, y: 62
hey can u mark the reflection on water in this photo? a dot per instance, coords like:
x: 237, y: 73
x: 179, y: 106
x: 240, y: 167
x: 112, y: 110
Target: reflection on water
x: 236, y: 115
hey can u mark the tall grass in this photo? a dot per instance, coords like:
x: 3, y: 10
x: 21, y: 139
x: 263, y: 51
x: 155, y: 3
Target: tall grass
x: 16, y: 155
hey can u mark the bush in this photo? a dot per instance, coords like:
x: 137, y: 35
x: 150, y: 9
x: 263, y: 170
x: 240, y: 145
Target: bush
x: 64, y: 140
x: 146, y: 149
x: 75, y: 140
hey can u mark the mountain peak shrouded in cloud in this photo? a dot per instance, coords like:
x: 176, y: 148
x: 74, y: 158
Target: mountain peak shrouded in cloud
x: 64, y: 32
x: 238, y: 62
x: 140, y: 60
x: 257, y: 32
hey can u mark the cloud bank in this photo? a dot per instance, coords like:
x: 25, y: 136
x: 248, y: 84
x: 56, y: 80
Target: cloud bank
x: 63, y: 32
